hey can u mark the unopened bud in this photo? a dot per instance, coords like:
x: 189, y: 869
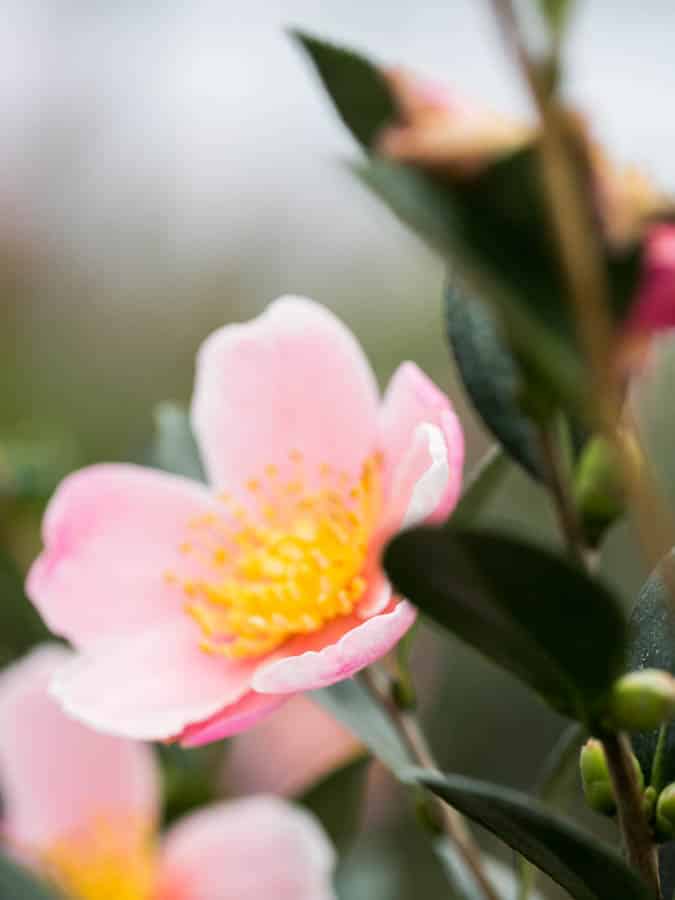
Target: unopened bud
x: 649, y: 802
x: 642, y: 701
x: 598, y: 489
x: 595, y: 778
x: 665, y: 812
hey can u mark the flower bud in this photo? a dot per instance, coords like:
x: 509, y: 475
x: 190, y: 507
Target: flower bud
x: 598, y: 489
x: 665, y: 812
x: 442, y: 132
x: 641, y: 701
x: 595, y: 778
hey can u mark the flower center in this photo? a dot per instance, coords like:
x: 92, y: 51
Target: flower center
x: 108, y: 860
x: 287, y: 565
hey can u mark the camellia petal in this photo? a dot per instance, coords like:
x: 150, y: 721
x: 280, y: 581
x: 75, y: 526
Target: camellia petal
x: 57, y: 776
x: 358, y: 648
x: 111, y: 534
x: 151, y: 686
x: 293, y: 381
x: 249, y: 849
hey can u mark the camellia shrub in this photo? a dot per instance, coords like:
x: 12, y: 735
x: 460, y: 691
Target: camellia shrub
x: 287, y: 536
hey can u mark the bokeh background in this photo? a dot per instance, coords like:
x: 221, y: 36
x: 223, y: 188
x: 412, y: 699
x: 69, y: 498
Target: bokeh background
x: 166, y: 167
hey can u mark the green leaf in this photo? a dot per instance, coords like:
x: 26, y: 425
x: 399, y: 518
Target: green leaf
x: 532, y: 326
x: 337, y: 801
x: 556, y: 13
x: 34, y: 460
x: 20, y: 625
x: 174, y: 447
x: 652, y: 646
x: 525, y: 608
x: 352, y: 705
x: 554, y: 788
x: 190, y: 778
x: 576, y: 860
x: 17, y: 883
x: 357, y: 88
x: 491, y: 377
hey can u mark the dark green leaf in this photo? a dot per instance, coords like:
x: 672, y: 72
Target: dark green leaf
x: 525, y: 608
x: 539, y: 330
x: 554, y: 788
x: 350, y: 703
x: 480, y: 486
x: 652, y: 646
x: 18, y: 884
x: 20, y: 625
x: 337, y: 801
x: 491, y: 377
x: 667, y: 869
x: 174, y: 448
x: 576, y: 860
x: 356, y: 87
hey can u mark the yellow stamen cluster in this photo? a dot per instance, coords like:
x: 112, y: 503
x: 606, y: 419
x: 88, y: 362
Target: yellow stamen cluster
x: 112, y: 859
x: 290, y: 563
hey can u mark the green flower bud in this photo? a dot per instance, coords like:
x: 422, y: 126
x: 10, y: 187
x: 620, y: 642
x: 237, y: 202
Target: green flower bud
x: 595, y: 778
x: 598, y: 489
x: 665, y: 812
x: 649, y: 802
x: 641, y: 701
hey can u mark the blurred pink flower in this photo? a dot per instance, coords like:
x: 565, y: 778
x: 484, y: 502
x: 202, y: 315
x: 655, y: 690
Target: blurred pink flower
x: 308, y: 744
x: 198, y: 611
x: 82, y: 808
x: 654, y: 308
x: 442, y: 131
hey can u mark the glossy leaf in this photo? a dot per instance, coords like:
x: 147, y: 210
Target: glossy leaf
x: 652, y: 645
x: 525, y: 608
x: 436, y: 213
x: 352, y: 705
x: 491, y: 377
x: 357, y: 88
x: 554, y: 788
x: 337, y: 800
x: 174, y: 447
x: 17, y: 883
x: 576, y: 860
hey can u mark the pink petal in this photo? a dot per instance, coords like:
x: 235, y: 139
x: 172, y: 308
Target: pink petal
x: 308, y: 744
x: 150, y: 686
x: 254, y: 849
x: 294, y: 379
x: 111, y: 532
x: 360, y: 646
x: 411, y: 400
x: 654, y: 308
x: 234, y: 718
x: 55, y: 774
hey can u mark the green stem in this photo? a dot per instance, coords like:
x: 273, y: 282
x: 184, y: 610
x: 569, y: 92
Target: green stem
x: 406, y: 724
x: 637, y: 837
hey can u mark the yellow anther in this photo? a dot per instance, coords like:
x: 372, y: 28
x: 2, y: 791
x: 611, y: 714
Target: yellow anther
x: 290, y: 570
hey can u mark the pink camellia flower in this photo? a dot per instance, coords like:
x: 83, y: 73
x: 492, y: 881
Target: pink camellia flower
x: 82, y: 809
x: 654, y: 308
x: 442, y: 131
x: 196, y: 611
x: 308, y: 745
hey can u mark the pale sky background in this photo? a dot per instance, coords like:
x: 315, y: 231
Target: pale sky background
x: 173, y: 165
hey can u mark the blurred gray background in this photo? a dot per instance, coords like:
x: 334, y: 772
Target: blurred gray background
x: 166, y: 167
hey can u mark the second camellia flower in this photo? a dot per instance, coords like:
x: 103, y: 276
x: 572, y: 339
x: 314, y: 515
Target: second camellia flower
x: 198, y: 610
